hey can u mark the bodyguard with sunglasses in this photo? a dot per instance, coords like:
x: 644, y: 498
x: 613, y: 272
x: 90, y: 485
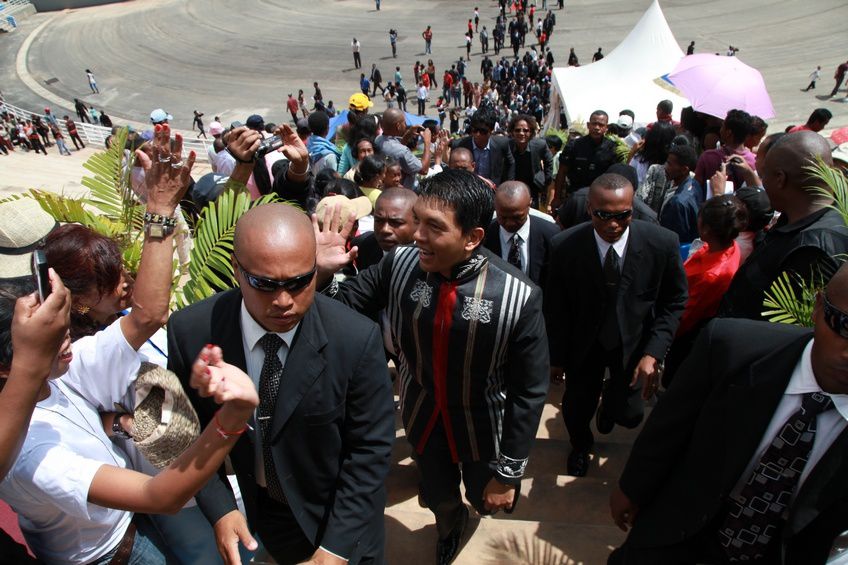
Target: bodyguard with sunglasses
x: 745, y: 456
x: 312, y: 468
x: 614, y: 296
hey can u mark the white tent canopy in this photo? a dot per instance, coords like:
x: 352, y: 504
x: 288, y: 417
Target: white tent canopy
x: 624, y: 79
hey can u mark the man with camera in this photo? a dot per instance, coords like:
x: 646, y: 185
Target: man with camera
x: 396, y: 141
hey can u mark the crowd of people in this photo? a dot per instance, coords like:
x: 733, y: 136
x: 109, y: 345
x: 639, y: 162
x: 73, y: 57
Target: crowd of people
x: 465, y: 269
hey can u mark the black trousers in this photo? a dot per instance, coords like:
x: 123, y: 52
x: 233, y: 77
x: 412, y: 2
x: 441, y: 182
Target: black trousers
x: 357, y: 61
x: 703, y: 548
x: 583, y: 388
x: 76, y: 138
x: 440, y: 478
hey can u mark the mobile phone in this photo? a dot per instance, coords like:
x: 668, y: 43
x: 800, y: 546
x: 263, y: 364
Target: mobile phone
x: 42, y: 278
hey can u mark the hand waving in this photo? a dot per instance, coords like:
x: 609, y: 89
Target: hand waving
x: 331, y: 238
x: 167, y: 175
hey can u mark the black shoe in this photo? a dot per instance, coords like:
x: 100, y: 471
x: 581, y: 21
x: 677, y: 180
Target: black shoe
x: 578, y: 463
x: 603, y: 421
x: 447, y: 549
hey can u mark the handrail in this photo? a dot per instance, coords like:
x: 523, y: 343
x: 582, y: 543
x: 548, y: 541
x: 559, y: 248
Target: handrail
x: 97, y: 134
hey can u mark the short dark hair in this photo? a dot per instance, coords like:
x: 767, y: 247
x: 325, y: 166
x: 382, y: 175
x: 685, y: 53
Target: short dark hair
x: 666, y: 106
x: 470, y: 198
x: 627, y: 113
x: 369, y: 167
x: 822, y: 115
x: 483, y: 118
x: 738, y: 123
x: 685, y: 155
x: 344, y: 187
x: 758, y: 125
x: 725, y: 216
x: 554, y: 142
x: 611, y: 181
x: 598, y: 113
x: 319, y: 123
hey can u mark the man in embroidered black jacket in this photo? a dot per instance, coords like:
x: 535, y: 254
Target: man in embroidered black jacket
x: 472, y: 350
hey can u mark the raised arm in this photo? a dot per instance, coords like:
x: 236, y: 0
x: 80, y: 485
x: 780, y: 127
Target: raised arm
x: 167, y: 178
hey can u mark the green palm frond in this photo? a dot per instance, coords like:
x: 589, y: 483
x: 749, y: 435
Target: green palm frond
x: 111, y: 190
x: 836, y: 185
x: 73, y: 210
x: 210, y: 268
x: 11, y: 198
x: 790, y: 300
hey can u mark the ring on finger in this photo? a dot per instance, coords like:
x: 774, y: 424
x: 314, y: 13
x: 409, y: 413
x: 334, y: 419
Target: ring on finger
x: 166, y: 159
x: 177, y: 165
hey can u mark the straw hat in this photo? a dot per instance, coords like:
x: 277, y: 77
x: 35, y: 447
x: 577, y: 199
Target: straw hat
x: 23, y: 227
x: 164, y: 422
x: 361, y: 206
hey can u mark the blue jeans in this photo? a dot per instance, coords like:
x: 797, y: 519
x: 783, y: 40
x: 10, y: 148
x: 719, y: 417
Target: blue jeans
x: 190, y: 538
x: 146, y: 547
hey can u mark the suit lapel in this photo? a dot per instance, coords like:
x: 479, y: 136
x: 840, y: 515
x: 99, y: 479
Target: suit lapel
x: 595, y: 268
x: 493, y: 238
x: 226, y: 327
x: 751, y: 402
x: 536, y: 252
x: 304, y: 364
x: 632, y: 258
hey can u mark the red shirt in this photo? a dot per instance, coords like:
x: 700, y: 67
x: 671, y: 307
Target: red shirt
x: 709, y: 276
x: 447, y: 81
x: 425, y: 80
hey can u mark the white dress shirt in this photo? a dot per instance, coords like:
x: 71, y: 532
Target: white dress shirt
x: 828, y: 425
x: 620, y: 246
x: 506, y: 244
x: 254, y: 357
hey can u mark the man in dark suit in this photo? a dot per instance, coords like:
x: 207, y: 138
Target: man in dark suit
x: 493, y: 159
x: 520, y: 239
x: 758, y: 414
x: 312, y: 470
x: 394, y: 224
x: 613, y: 300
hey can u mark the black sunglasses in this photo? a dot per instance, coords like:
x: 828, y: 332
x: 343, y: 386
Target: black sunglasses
x: 291, y: 285
x: 836, y: 319
x: 617, y: 216
x: 484, y: 131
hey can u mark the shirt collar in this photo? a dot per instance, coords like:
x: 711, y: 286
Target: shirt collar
x: 803, y: 380
x: 488, y: 145
x: 620, y: 246
x: 253, y: 332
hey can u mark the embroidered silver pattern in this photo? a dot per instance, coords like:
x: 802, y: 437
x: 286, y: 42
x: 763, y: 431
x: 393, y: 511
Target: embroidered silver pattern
x: 474, y: 262
x: 478, y: 309
x: 422, y: 292
x: 511, y: 468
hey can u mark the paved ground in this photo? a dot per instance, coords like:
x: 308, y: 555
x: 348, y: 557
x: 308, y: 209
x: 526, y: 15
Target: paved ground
x: 234, y: 59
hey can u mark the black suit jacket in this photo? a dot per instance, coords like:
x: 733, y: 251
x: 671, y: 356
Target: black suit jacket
x: 369, y: 250
x: 333, y: 424
x: 501, y: 161
x: 651, y: 294
x: 704, y: 431
x: 542, y: 163
x: 538, y: 254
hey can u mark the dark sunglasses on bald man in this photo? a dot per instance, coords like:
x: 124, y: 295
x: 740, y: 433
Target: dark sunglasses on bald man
x: 617, y: 216
x: 836, y: 319
x: 263, y: 284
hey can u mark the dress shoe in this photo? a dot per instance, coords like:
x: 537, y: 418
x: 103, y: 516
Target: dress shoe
x: 578, y: 463
x: 447, y: 548
x: 603, y: 421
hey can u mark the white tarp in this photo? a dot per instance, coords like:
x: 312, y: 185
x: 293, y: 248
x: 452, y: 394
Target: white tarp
x: 624, y: 79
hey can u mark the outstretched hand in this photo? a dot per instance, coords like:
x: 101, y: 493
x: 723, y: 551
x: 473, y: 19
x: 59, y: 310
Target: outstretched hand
x: 242, y: 143
x: 331, y: 239
x: 166, y: 175
x: 293, y: 148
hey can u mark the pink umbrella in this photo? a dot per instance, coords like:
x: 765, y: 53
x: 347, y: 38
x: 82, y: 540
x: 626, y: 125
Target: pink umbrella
x: 715, y: 84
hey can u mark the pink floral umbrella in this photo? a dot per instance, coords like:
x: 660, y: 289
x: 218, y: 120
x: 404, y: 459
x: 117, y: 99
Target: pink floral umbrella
x: 715, y: 84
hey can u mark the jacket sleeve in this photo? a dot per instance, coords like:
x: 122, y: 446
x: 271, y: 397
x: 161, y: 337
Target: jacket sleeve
x: 368, y: 437
x: 527, y: 380
x: 366, y: 292
x: 215, y: 499
x: 674, y: 218
x: 667, y: 431
x: 670, y: 303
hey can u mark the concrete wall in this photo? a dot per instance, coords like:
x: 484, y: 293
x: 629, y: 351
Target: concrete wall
x: 48, y: 5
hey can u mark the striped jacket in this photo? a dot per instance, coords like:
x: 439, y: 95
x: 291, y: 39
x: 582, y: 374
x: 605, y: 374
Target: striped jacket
x: 472, y: 352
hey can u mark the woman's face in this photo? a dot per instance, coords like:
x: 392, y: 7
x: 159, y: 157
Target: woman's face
x: 103, y: 308
x: 392, y: 177
x: 364, y: 149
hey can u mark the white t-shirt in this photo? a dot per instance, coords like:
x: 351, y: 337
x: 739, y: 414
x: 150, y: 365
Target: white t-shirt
x: 65, y: 446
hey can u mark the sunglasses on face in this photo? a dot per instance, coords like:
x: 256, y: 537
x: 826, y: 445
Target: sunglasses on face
x: 483, y: 131
x: 521, y: 130
x: 836, y: 319
x: 617, y: 216
x: 291, y: 285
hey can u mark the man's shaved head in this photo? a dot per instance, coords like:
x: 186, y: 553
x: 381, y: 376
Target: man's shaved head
x: 276, y: 242
x: 391, y: 119
x: 397, y: 194
x: 512, y: 205
x: 792, y: 153
x: 461, y: 158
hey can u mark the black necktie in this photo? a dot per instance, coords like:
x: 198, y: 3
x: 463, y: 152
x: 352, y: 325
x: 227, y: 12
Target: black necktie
x: 755, y: 517
x: 612, y: 271
x: 514, y: 256
x: 269, y: 385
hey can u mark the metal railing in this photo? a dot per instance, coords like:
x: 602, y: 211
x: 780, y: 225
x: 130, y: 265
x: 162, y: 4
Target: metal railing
x: 97, y: 134
x: 8, y: 10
